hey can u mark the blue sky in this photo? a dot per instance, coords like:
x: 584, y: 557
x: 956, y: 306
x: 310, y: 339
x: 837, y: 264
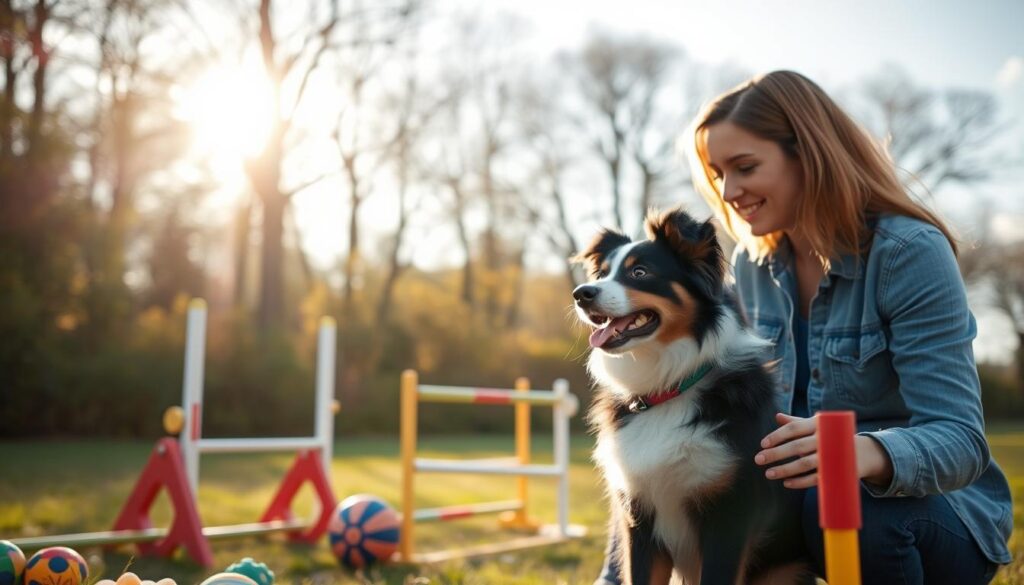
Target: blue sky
x: 940, y: 42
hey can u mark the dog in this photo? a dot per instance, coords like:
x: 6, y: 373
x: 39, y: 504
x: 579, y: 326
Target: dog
x: 683, y: 398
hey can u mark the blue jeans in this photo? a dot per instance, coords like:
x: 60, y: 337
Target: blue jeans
x: 903, y: 541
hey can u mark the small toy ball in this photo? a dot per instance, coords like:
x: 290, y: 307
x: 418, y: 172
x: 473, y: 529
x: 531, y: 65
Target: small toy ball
x: 58, y: 564
x: 258, y: 572
x: 133, y: 579
x: 174, y: 420
x: 363, y: 530
x: 129, y: 579
x: 12, y: 563
x: 228, y: 579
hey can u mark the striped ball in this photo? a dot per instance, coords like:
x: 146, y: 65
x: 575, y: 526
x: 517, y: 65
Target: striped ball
x: 363, y: 531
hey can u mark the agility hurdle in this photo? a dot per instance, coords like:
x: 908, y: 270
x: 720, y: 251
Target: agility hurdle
x: 564, y: 405
x: 174, y: 465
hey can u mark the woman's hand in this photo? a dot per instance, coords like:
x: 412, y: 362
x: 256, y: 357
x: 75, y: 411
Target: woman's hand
x: 795, y: 443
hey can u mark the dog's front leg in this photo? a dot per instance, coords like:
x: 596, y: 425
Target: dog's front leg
x: 645, y: 561
x: 724, y: 529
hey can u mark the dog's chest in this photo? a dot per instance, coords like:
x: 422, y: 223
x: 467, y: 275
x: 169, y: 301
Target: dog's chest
x: 660, y: 453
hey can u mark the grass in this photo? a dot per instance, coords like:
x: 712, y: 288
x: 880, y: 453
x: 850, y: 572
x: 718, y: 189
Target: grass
x: 61, y: 488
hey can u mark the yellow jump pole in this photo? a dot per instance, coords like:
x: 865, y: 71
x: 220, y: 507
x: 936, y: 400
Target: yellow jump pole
x: 522, y: 447
x: 839, y: 513
x: 520, y: 519
x: 408, y: 406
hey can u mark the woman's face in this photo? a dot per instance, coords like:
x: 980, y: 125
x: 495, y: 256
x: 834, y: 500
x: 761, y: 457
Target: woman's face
x: 755, y: 177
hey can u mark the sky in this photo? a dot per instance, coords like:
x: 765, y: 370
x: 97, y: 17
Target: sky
x: 939, y: 43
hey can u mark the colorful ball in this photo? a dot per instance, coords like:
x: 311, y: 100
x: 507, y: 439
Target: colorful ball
x: 228, y: 579
x: 174, y: 420
x: 12, y: 563
x: 363, y: 530
x: 258, y: 572
x: 57, y: 565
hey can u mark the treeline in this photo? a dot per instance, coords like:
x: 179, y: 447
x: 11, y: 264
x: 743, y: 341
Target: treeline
x: 501, y: 161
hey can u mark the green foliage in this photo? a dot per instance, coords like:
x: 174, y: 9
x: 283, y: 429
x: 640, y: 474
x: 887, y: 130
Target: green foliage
x: 1000, y: 392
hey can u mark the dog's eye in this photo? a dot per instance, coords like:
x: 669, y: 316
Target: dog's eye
x: 638, y: 272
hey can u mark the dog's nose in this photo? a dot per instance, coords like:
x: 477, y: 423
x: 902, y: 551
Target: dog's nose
x: 585, y: 294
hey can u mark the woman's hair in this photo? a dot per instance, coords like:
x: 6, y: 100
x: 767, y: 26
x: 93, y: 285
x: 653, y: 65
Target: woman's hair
x: 846, y: 175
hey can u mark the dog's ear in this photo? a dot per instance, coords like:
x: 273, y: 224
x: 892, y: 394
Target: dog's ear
x: 694, y: 243
x: 597, y: 252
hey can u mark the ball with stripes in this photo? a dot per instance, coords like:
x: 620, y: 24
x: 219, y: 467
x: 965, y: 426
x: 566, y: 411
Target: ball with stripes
x: 57, y: 564
x: 363, y: 531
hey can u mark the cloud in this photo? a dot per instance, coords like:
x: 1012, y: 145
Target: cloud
x: 1011, y: 72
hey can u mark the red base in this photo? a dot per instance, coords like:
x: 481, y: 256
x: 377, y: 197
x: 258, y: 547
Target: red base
x: 165, y: 470
x: 307, y: 467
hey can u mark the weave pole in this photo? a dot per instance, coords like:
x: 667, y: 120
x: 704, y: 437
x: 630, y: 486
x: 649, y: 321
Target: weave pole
x: 839, y: 496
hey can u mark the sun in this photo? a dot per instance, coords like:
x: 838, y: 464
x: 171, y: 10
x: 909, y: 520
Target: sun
x: 230, y: 111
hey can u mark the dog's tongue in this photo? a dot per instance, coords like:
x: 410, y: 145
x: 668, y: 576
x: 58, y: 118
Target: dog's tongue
x: 601, y: 336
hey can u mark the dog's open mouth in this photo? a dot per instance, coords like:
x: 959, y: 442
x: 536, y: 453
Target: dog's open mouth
x: 614, y: 332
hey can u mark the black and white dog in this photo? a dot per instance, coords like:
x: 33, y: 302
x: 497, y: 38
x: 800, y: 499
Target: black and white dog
x: 683, y: 401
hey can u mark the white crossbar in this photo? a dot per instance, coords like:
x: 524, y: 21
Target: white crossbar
x: 470, y: 466
x: 258, y: 445
x: 192, y: 441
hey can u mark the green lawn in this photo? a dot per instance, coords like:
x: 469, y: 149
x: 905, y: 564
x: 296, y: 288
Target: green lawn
x: 61, y: 487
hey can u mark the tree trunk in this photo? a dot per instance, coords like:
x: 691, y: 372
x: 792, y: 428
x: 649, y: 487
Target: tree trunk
x: 1019, y: 354
x: 394, y: 262
x: 518, y: 284
x: 34, y: 140
x: 467, y: 268
x: 243, y: 229
x: 10, y: 82
x: 265, y: 174
x: 271, y: 311
x: 352, y: 258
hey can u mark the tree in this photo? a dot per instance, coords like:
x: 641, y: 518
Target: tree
x: 289, y: 67
x: 622, y: 83
x: 936, y: 136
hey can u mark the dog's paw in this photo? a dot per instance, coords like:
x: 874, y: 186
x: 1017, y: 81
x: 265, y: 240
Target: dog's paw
x: 603, y: 581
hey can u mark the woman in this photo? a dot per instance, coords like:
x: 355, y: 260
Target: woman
x: 858, y: 287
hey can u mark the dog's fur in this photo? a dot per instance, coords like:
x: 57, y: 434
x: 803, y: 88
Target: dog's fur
x: 681, y: 475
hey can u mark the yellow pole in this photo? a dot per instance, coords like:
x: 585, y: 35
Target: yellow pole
x: 842, y: 557
x: 408, y: 405
x: 522, y: 449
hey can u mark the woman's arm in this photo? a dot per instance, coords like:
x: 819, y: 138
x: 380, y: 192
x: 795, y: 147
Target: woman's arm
x: 923, y: 299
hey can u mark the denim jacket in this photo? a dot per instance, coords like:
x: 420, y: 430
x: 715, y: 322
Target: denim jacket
x: 889, y: 337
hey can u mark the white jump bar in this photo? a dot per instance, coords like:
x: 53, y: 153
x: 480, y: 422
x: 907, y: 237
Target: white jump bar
x: 264, y: 445
x: 470, y: 466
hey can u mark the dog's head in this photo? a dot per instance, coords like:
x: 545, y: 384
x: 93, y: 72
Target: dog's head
x: 654, y: 291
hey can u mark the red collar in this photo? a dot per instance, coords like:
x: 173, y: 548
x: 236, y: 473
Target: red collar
x: 642, y: 403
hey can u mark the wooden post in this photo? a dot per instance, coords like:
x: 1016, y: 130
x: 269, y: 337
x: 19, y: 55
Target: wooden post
x: 409, y: 400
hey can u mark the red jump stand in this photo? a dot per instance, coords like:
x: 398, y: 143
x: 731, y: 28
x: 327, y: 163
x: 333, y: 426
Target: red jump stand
x: 307, y: 467
x: 165, y: 470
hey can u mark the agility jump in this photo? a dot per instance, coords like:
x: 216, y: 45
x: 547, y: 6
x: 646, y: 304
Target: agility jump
x: 174, y: 465
x: 565, y: 405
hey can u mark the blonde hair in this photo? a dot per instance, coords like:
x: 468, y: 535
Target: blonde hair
x: 846, y: 175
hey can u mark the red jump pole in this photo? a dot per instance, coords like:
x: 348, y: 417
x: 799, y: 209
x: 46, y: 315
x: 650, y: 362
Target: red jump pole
x: 839, y: 496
